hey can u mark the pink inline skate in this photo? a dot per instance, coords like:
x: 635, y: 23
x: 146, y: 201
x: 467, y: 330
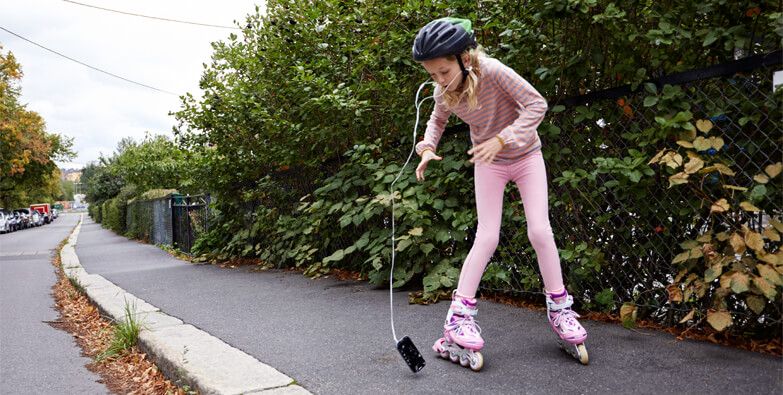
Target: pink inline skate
x: 461, y: 339
x: 571, y: 334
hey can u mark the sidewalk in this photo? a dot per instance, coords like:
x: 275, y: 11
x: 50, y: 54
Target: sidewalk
x: 334, y: 337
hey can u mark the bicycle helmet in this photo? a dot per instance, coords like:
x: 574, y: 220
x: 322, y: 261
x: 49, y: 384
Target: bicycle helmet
x: 443, y: 37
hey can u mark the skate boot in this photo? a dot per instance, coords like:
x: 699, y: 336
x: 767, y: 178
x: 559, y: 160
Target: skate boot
x: 563, y: 321
x: 461, y: 339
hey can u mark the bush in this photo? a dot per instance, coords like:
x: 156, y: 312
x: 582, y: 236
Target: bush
x: 352, y: 81
x: 95, y: 211
x: 111, y: 215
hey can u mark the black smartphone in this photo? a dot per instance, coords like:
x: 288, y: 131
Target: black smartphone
x: 410, y: 354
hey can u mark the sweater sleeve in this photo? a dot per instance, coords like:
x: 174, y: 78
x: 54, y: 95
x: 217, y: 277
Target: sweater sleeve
x: 435, y: 126
x: 534, y: 106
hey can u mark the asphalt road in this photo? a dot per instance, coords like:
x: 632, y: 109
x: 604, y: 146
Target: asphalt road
x: 334, y: 337
x: 36, y: 358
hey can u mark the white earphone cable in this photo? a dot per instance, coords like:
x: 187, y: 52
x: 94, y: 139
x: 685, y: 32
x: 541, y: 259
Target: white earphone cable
x: 415, y: 130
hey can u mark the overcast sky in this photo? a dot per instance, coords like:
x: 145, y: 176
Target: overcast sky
x: 97, y: 110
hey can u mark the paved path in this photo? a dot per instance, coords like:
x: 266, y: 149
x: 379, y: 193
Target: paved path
x: 333, y: 337
x: 36, y: 358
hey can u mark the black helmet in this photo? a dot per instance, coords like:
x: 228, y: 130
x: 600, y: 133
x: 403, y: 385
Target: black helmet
x: 441, y: 37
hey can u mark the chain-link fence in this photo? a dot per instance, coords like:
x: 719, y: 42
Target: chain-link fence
x: 150, y: 220
x: 189, y: 216
x: 175, y: 220
x: 620, y: 229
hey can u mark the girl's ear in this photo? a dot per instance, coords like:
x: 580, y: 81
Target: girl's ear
x: 466, y: 59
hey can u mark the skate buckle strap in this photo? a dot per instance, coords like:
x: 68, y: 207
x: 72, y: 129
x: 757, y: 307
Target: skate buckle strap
x: 566, y: 304
x: 466, y: 311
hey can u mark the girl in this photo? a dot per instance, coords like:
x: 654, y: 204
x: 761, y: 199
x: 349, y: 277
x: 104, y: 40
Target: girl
x: 503, y: 111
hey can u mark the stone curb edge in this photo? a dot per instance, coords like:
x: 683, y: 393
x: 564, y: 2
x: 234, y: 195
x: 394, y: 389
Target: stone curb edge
x: 184, y: 353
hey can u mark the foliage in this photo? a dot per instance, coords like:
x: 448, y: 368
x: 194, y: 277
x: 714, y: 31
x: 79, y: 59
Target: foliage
x: 135, y: 171
x: 728, y: 263
x: 67, y: 188
x: 95, y: 211
x: 28, y: 173
x: 155, y: 162
x: 156, y: 193
x: 125, y: 335
x: 115, y: 210
x: 354, y: 205
x: 308, y: 81
x: 101, y: 180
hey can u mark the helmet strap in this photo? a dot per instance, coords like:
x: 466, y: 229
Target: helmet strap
x: 462, y: 67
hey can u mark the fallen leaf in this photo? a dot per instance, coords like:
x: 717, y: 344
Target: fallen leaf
x: 675, y: 293
x: 688, y: 316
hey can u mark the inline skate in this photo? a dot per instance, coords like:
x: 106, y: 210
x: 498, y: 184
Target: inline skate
x: 563, y: 320
x: 461, y: 342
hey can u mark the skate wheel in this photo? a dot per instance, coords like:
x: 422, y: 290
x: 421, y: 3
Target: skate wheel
x: 582, y: 351
x: 439, y: 348
x: 454, y: 357
x: 477, y: 362
x: 464, y: 360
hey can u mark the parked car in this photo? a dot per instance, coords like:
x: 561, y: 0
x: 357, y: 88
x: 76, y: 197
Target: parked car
x: 36, y: 218
x: 44, y: 210
x: 5, y: 223
x: 13, y: 220
x: 55, y: 213
x: 17, y: 221
x: 25, y: 218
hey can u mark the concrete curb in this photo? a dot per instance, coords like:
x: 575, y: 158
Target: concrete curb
x: 185, y: 354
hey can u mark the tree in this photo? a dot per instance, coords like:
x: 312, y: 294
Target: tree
x: 67, y: 188
x: 156, y: 162
x: 101, y: 180
x: 28, y: 173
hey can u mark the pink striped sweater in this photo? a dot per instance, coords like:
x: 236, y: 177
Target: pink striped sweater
x: 508, y: 106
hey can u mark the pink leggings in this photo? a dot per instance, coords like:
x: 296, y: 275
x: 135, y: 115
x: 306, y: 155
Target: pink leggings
x: 529, y: 173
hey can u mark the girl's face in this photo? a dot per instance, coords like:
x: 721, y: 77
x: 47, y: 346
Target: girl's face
x: 444, y: 71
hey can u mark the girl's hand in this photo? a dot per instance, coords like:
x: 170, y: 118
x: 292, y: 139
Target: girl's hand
x: 486, y: 151
x: 426, y: 157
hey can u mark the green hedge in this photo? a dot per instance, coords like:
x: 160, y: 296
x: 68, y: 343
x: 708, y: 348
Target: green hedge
x: 301, y: 169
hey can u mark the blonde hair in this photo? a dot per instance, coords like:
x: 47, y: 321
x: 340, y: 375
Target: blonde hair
x: 469, y: 88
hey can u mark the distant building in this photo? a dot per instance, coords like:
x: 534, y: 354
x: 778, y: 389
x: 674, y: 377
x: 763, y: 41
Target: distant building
x: 73, y: 175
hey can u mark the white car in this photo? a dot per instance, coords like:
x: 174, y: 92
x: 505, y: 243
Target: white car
x: 5, y: 223
x: 36, y: 219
